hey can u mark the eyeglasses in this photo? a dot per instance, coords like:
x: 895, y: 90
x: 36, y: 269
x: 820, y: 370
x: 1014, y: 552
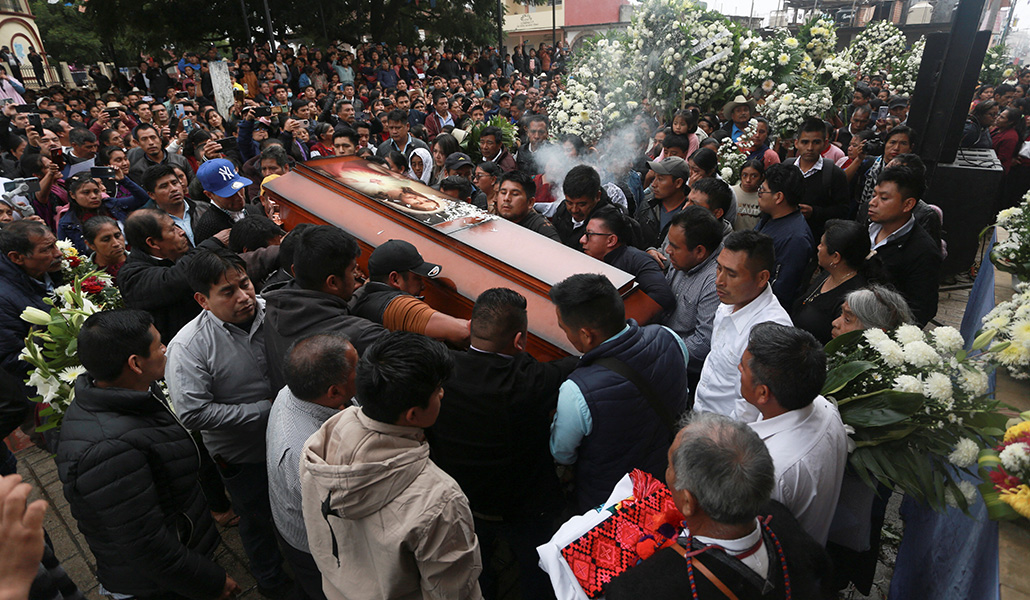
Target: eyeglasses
x: 590, y: 233
x: 760, y: 192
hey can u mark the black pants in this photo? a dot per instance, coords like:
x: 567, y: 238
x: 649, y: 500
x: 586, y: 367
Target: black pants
x: 522, y: 536
x: 307, y: 579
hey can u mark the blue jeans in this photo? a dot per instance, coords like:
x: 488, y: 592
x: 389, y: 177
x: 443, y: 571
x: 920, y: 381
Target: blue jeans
x: 248, y: 487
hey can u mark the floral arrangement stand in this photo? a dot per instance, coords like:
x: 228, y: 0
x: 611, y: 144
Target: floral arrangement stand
x: 732, y: 155
x: 917, y: 409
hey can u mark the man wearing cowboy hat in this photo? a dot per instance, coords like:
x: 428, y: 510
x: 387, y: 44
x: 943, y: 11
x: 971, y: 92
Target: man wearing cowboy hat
x: 737, y: 113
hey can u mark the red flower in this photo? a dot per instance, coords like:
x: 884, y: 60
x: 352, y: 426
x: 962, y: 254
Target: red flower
x: 92, y: 285
x: 74, y: 261
x: 1002, y: 480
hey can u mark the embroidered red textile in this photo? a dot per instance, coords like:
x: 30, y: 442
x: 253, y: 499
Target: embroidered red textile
x: 611, y: 547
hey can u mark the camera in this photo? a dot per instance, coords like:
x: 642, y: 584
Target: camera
x: 873, y: 147
x: 262, y: 111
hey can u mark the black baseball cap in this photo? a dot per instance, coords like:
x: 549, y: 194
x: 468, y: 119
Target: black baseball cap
x: 400, y: 256
x: 457, y: 160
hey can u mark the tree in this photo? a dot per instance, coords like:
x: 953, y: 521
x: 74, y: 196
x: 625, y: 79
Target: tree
x: 67, y: 34
x: 120, y: 30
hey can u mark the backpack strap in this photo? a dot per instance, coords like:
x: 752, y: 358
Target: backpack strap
x: 628, y: 372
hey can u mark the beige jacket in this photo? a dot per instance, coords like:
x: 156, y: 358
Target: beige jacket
x: 383, y: 521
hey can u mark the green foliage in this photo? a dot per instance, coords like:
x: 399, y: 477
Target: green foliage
x: 67, y: 33
x: 128, y: 27
x: 470, y: 145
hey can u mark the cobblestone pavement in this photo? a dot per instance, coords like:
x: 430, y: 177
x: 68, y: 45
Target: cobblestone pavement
x: 39, y: 469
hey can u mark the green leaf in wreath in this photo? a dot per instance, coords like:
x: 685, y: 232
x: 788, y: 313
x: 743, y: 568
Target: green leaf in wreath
x: 842, y: 341
x: 839, y: 377
x: 996, y: 509
x: 884, y: 408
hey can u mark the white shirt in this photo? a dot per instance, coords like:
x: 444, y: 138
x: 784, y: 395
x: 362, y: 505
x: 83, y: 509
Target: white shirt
x: 809, y: 448
x: 757, y: 561
x: 876, y: 228
x: 818, y: 166
x: 718, y: 390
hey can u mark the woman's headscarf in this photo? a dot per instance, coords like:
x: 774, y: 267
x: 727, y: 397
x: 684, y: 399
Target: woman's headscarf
x: 427, y: 166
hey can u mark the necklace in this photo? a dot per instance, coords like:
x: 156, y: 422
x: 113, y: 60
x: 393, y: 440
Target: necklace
x: 819, y: 289
x: 690, y: 554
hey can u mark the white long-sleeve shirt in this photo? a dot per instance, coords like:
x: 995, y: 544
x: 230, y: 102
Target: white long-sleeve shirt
x: 809, y: 448
x: 718, y: 390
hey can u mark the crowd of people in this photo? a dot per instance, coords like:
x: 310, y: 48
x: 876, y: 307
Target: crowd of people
x: 999, y: 118
x: 382, y: 448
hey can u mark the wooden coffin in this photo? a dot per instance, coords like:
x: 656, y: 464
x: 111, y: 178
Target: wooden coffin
x: 477, y: 251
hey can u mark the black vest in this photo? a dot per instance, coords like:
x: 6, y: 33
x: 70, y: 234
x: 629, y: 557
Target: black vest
x: 372, y: 300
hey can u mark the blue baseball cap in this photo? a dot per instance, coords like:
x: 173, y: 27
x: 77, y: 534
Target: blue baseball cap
x: 220, y: 177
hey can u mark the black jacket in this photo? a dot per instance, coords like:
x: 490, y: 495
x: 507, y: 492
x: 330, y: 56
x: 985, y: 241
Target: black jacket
x: 18, y: 291
x: 647, y: 273
x: 129, y: 470
x: 649, y: 215
x: 292, y: 312
x: 913, y: 263
x: 569, y: 233
x: 665, y: 575
x: 159, y: 287
x: 215, y: 219
x: 534, y: 221
x: 492, y: 435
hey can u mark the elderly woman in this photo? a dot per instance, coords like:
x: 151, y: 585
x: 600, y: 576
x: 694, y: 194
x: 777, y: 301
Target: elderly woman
x: 872, y: 307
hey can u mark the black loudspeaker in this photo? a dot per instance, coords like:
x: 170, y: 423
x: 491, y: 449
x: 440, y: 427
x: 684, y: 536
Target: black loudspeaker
x: 945, y: 88
x: 965, y: 190
x: 921, y: 102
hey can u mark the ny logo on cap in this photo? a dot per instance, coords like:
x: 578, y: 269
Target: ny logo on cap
x: 227, y: 173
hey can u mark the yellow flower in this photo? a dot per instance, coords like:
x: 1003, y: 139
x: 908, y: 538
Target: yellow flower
x: 1018, y: 498
x: 1017, y: 430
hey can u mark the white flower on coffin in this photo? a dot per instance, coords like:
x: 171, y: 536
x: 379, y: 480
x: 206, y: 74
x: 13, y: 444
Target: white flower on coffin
x: 1015, y: 457
x: 921, y: 354
x: 908, y: 384
x: 909, y: 333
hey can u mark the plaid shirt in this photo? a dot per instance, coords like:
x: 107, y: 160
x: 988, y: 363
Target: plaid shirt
x: 290, y: 424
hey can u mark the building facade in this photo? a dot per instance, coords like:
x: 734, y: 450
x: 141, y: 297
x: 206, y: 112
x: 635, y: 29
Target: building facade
x: 19, y: 34
x: 564, y: 20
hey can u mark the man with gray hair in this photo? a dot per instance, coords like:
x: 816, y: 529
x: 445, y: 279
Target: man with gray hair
x: 781, y: 373
x: 319, y: 374
x: 721, y: 476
